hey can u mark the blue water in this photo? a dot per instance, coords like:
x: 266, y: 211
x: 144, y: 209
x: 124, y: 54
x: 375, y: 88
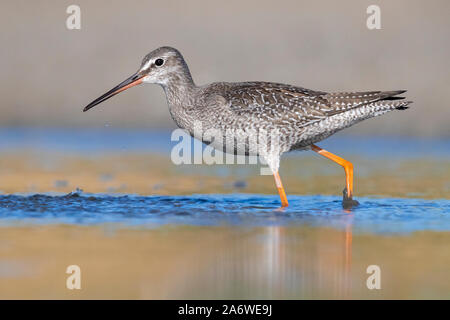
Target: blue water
x: 109, y: 139
x: 376, y: 215
x: 372, y: 215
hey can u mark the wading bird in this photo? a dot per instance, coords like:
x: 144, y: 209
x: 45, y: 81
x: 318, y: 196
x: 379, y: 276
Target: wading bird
x: 300, y: 116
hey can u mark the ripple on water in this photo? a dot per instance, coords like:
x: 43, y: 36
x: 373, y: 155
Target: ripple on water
x: 373, y: 215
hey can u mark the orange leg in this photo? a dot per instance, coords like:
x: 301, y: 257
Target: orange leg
x: 348, y: 167
x: 284, y: 202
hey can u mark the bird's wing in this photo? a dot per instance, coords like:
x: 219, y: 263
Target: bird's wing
x: 276, y: 103
x: 283, y: 104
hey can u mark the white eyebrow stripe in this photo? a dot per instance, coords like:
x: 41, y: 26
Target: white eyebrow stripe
x: 150, y: 61
x: 147, y: 64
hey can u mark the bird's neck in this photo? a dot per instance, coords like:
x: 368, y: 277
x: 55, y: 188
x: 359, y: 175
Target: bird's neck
x: 180, y: 88
x: 181, y: 93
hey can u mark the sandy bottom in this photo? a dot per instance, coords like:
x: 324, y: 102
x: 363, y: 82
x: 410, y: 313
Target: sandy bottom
x: 148, y: 174
x: 220, y: 262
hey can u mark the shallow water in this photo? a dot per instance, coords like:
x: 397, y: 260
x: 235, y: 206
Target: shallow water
x: 372, y: 215
x: 109, y: 139
x: 145, y: 228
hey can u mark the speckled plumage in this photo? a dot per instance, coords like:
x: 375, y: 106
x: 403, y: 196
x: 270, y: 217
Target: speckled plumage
x: 271, y: 114
x: 301, y: 116
x: 258, y: 118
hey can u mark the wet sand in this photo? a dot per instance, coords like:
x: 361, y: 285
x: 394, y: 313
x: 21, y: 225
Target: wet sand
x: 147, y: 174
x: 190, y: 262
x: 220, y: 262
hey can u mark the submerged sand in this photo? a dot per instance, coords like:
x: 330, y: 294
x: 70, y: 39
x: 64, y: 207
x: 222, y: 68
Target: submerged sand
x: 220, y: 262
x: 147, y: 174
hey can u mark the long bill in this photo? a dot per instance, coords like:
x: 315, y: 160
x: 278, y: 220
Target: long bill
x: 132, y: 81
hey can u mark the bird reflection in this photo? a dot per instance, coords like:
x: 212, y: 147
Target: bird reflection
x: 272, y: 262
x: 313, y: 263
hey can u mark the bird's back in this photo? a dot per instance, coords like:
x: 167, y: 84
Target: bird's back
x: 300, y: 116
x: 299, y: 113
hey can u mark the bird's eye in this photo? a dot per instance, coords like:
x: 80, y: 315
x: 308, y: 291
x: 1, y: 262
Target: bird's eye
x: 159, y: 62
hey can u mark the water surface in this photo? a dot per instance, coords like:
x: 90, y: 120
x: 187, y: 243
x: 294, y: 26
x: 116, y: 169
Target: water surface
x: 146, y: 228
x: 110, y: 139
x: 374, y: 215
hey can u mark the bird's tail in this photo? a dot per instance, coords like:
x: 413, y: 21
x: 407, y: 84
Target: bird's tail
x: 378, y: 101
x: 391, y: 100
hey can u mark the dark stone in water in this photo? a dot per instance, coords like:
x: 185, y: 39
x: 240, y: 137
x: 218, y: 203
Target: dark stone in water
x: 240, y: 184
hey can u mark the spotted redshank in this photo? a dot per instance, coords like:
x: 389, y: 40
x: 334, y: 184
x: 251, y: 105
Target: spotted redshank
x: 301, y: 117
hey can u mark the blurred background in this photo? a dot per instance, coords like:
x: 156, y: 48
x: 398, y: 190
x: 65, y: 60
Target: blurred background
x: 146, y: 228
x: 49, y: 72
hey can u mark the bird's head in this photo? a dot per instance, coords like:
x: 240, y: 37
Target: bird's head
x: 161, y: 66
